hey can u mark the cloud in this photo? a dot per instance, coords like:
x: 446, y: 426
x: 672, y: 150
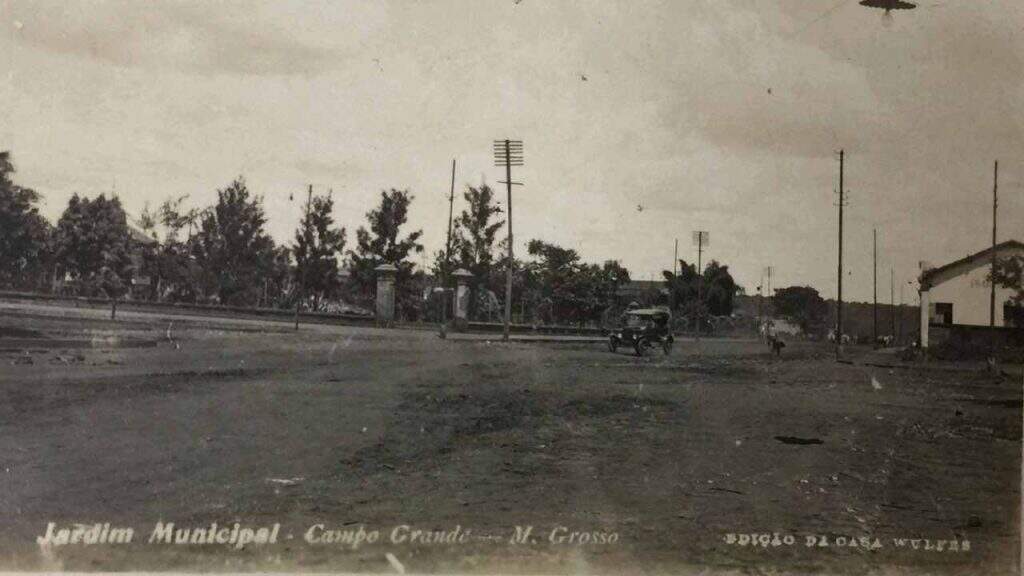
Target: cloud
x: 222, y: 38
x: 934, y: 76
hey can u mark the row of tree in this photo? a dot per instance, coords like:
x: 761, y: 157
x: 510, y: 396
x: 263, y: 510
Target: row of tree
x: 223, y: 254
x: 228, y: 257
x: 218, y: 254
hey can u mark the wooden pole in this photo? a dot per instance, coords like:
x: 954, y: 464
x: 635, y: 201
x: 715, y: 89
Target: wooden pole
x: 675, y: 279
x: 511, y: 260
x: 447, y: 255
x: 700, y: 280
x: 451, y: 206
x: 992, y: 290
x: 302, y: 283
x: 995, y: 205
x: 874, y: 308
x: 892, y: 304
x: 839, y: 295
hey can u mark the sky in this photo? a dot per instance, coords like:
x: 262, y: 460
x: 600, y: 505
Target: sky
x: 641, y: 121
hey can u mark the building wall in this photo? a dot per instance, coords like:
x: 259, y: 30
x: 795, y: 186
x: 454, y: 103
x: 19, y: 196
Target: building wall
x: 969, y: 295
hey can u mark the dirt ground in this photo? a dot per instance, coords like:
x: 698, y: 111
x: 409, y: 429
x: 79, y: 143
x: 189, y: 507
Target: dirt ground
x: 681, y: 458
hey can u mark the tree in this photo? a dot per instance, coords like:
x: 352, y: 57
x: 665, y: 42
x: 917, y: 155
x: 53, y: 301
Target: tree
x: 278, y: 288
x: 701, y: 295
x: 718, y: 289
x: 564, y: 289
x: 473, y: 242
x: 1009, y: 274
x: 683, y: 287
x: 148, y: 220
x: 92, y: 244
x: 24, y: 233
x: 231, y: 249
x: 318, y: 244
x: 383, y: 244
x: 175, y: 274
x: 443, y: 266
x: 612, y: 276
x: 803, y: 305
x: 175, y: 218
x: 709, y: 293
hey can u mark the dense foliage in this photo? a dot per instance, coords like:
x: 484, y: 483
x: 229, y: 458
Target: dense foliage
x: 383, y: 243
x: 232, y: 250
x: 802, y: 304
x: 24, y: 233
x: 318, y: 246
x: 91, y: 245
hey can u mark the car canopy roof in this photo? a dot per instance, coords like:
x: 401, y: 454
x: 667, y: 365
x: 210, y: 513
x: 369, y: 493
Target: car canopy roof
x: 648, y: 312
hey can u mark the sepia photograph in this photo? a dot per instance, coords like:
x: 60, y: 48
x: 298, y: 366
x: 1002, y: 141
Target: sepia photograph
x: 531, y: 287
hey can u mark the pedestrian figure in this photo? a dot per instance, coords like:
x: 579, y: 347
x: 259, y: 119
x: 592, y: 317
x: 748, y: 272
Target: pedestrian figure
x: 773, y: 341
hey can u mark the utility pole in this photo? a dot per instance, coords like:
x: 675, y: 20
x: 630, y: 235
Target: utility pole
x: 992, y: 274
x: 700, y: 238
x: 508, y: 153
x: 899, y: 338
x: 451, y: 207
x: 995, y: 205
x: 447, y: 256
x: 675, y: 279
x: 874, y: 309
x: 302, y: 285
x: 892, y: 304
x: 700, y: 281
x: 839, y: 296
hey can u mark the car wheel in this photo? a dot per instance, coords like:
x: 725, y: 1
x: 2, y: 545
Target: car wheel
x: 642, y: 346
x: 613, y: 343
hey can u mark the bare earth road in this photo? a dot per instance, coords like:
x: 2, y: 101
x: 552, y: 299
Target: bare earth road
x: 665, y: 463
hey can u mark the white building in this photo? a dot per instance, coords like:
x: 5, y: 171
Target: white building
x: 959, y: 292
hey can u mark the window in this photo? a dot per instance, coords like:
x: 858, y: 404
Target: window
x: 943, y: 313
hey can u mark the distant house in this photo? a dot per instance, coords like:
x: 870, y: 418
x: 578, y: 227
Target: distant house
x: 782, y: 326
x: 958, y: 293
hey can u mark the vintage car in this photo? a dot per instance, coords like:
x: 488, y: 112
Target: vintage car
x: 642, y: 329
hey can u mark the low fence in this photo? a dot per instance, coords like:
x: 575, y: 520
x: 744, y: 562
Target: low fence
x: 282, y: 315
x: 214, y: 311
x: 277, y: 314
x: 497, y: 327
